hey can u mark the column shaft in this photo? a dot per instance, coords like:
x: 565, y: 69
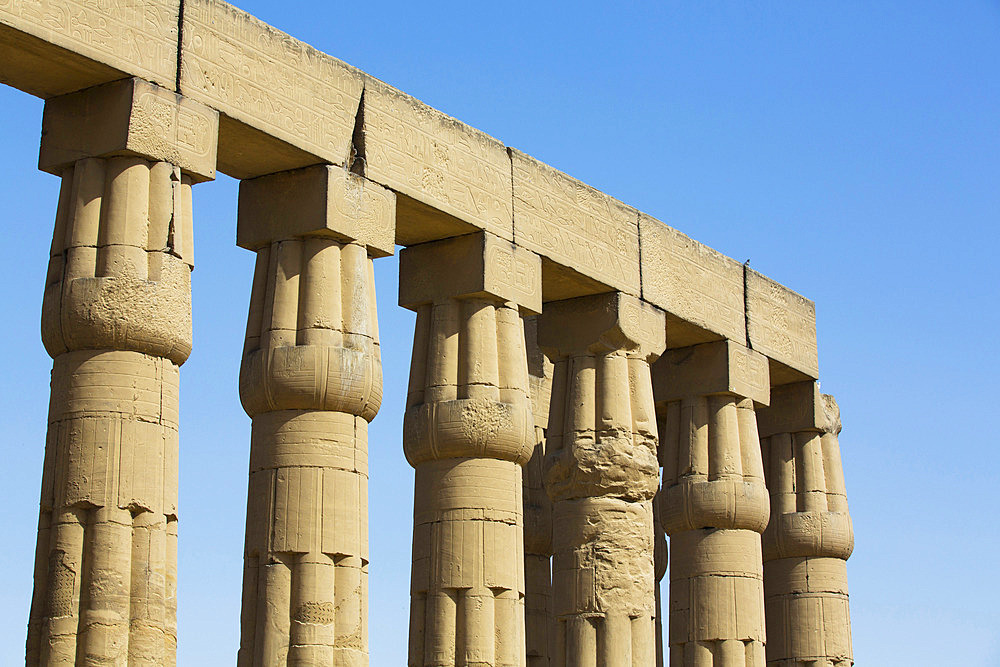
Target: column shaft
x: 539, y: 630
x: 809, y: 537
x: 468, y: 439
x: 601, y: 474
x: 467, y: 431
x: 311, y: 380
x: 116, y: 319
x: 714, y: 504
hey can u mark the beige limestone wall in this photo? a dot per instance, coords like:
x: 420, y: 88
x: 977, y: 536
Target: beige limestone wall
x: 714, y: 503
x: 311, y: 380
x: 116, y: 318
x: 601, y: 474
x: 467, y: 431
x: 809, y: 537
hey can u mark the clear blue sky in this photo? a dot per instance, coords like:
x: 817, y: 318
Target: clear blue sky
x: 850, y: 150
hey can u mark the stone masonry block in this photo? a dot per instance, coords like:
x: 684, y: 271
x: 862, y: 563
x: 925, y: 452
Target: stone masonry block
x: 782, y: 325
x: 794, y: 407
x: 285, y: 104
x: 129, y: 117
x: 610, y: 321
x: 53, y: 47
x: 322, y: 200
x: 471, y: 265
x: 722, y: 367
x: 575, y: 225
x: 435, y: 161
x: 701, y: 289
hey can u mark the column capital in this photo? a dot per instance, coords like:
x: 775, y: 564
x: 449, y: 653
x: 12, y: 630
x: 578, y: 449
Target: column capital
x: 720, y: 367
x: 475, y: 265
x: 602, y: 323
x: 130, y: 117
x: 831, y: 414
x: 322, y: 200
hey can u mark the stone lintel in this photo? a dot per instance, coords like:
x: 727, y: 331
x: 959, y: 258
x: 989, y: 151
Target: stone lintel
x: 284, y: 103
x: 794, y: 407
x: 782, y: 325
x: 129, y: 117
x: 575, y: 225
x: 478, y: 264
x: 601, y: 322
x: 722, y: 367
x: 54, y: 47
x: 700, y: 288
x: 321, y: 200
x: 435, y: 161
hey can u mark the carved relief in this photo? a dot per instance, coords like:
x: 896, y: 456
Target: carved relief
x: 782, y: 324
x: 139, y: 38
x: 575, y: 225
x: 436, y: 159
x: 268, y: 80
x: 690, y: 280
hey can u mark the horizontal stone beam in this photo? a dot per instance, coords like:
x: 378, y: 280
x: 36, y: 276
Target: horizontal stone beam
x: 54, y: 47
x: 284, y: 105
x: 782, y: 325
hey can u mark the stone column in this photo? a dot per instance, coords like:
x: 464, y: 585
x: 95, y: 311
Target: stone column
x: 715, y: 505
x: 116, y: 319
x: 660, y: 569
x: 538, y: 625
x: 311, y: 380
x: 468, y: 430
x: 601, y: 474
x: 809, y: 538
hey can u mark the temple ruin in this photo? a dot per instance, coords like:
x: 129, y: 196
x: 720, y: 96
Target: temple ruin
x: 585, y: 381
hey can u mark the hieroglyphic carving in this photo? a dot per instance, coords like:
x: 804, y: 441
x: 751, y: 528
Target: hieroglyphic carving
x: 690, y: 280
x: 437, y: 160
x: 138, y: 38
x: 575, y: 225
x: 261, y: 76
x: 781, y: 324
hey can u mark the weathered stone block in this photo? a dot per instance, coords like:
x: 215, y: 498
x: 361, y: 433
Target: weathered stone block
x: 794, y: 407
x: 722, y: 367
x: 438, y: 162
x: 782, y: 325
x: 575, y: 225
x: 475, y: 264
x: 53, y: 47
x: 129, y: 117
x: 610, y: 321
x: 701, y: 289
x: 285, y: 104
x: 320, y: 201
